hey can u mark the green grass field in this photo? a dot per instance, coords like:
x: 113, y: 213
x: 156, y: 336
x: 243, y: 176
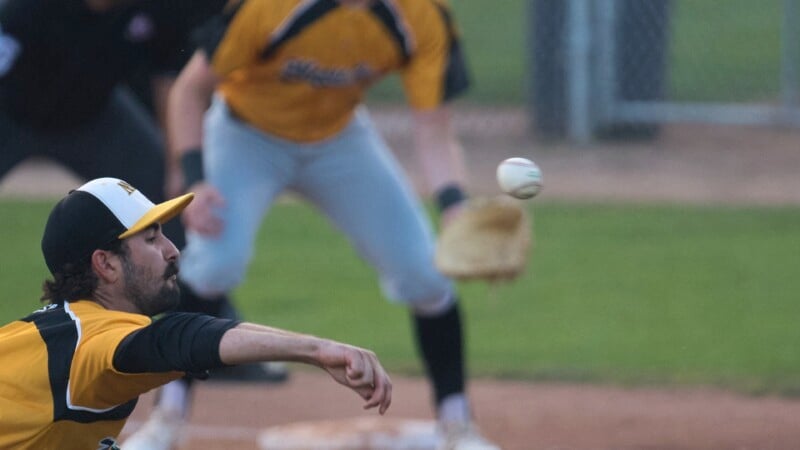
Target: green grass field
x: 620, y: 294
x: 718, y: 51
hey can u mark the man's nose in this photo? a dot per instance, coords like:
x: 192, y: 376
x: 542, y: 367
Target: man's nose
x: 171, y: 253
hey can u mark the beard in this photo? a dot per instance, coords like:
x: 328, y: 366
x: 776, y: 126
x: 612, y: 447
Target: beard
x: 151, y: 294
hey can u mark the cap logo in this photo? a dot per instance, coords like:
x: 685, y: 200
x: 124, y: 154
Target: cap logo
x: 126, y: 187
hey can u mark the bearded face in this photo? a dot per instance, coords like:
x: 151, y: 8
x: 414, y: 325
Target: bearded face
x: 153, y: 292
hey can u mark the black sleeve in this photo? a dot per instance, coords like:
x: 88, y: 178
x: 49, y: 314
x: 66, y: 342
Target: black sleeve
x: 457, y: 76
x: 209, y: 35
x: 177, y: 341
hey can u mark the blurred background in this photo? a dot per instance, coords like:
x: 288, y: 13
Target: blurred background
x: 588, y: 69
x: 667, y: 236
x: 588, y: 74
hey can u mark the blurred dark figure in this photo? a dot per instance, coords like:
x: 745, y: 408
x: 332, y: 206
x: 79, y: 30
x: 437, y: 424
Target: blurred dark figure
x: 62, y: 63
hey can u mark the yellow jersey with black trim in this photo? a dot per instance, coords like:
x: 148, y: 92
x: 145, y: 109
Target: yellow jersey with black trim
x: 58, y: 386
x: 297, y: 69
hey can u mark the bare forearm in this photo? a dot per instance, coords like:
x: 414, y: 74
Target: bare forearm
x: 187, y: 105
x: 356, y: 368
x: 188, y: 101
x: 254, y: 343
x: 438, y: 151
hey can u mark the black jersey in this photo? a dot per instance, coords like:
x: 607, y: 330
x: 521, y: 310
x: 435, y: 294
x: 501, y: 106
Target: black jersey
x: 59, y: 60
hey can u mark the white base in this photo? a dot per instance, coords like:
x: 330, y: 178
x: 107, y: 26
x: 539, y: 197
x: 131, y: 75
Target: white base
x: 367, y: 433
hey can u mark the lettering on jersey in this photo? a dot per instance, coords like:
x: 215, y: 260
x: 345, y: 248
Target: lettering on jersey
x: 108, y: 444
x: 127, y: 187
x: 46, y: 308
x: 310, y: 72
x: 140, y: 28
x: 9, y: 50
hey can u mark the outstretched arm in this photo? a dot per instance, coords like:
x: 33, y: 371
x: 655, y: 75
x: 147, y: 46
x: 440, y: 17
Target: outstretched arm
x: 354, y: 367
x: 185, y: 342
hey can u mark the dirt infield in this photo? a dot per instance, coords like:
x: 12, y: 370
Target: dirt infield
x: 517, y: 415
x: 687, y: 164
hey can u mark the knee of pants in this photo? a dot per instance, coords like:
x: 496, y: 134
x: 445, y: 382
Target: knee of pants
x: 418, y: 287
x: 212, y: 275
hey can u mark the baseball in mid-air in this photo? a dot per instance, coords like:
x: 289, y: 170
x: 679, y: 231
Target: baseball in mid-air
x: 519, y: 177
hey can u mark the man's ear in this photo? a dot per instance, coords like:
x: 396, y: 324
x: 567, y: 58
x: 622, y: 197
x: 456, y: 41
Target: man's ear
x: 106, y: 265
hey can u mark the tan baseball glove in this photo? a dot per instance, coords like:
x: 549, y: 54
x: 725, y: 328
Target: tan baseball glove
x: 489, y: 240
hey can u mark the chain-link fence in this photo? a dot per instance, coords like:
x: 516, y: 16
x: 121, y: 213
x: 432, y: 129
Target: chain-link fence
x: 621, y: 68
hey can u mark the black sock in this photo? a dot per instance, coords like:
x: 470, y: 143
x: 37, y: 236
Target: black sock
x: 440, y: 342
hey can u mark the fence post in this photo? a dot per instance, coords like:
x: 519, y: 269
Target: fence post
x: 547, y: 95
x: 789, y: 54
x: 578, y: 31
x: 605, y: 83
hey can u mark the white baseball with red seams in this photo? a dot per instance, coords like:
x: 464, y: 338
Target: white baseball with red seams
x: 519, y: 177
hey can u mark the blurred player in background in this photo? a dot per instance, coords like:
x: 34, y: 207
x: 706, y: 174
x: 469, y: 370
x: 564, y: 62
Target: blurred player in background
x: 73, y: 370
x: 63, y: 65
x: 288, y: 78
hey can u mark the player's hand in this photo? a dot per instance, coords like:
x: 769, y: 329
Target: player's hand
x: 200, y: 216
x: 360, y: 370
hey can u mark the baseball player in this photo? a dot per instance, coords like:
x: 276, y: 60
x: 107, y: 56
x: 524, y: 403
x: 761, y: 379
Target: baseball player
x: 73, y: 370
x: 285, y: 80
x: 63, y: 64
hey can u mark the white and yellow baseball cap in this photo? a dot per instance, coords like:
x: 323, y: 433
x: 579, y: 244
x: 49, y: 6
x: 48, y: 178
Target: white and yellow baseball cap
x: 98, y: 213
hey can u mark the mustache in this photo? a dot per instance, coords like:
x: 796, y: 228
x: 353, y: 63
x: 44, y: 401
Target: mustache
x: 172, y: 269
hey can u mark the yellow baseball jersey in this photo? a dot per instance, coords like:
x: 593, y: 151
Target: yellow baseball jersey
x: 58, y: 386
x: 297, y: 69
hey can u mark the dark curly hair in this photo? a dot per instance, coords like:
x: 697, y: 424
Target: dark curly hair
x: 76, y: 281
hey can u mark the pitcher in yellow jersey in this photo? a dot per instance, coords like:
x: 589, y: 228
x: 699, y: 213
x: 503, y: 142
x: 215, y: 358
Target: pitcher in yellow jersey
x: 71, y: 372
x: 285, y: 81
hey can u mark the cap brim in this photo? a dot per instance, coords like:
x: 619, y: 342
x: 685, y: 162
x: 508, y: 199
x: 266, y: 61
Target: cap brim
x: 159, y: 214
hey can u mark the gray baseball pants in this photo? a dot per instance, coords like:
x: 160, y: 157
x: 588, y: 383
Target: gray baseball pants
x: 352, y: 178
